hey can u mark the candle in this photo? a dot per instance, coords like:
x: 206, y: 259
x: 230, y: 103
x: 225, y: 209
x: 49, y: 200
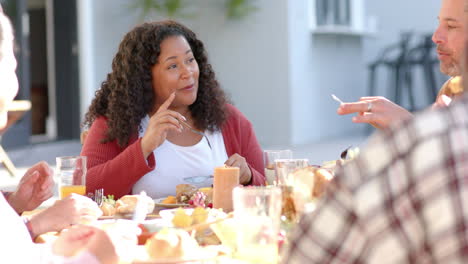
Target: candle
x: 225, y: 179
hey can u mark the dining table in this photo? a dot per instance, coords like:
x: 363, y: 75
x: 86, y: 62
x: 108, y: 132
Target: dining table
x: 135, y: 253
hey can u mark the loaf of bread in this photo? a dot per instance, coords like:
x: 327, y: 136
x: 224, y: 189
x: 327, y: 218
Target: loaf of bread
x: 322, y: 178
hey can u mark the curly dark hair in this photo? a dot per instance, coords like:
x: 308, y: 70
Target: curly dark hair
x: 127, y: 95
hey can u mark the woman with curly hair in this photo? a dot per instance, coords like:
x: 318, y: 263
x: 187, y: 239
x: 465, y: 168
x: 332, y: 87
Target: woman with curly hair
x: 161, y: 116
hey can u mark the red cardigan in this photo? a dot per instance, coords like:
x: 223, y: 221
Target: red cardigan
x: 117, y: 169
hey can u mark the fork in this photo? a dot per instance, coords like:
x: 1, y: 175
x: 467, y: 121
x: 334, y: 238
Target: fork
x: 99, y: 196
x: 337, y: 99
x: 196, y: 131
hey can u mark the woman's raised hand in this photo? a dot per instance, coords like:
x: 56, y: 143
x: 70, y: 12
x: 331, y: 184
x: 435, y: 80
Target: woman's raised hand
x: 160, y: 123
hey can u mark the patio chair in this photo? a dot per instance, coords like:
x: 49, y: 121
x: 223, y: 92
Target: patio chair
x: 83, y: 136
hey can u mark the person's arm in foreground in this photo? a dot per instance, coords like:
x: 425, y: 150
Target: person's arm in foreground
x: 85, y: 243
x: 73, y: 209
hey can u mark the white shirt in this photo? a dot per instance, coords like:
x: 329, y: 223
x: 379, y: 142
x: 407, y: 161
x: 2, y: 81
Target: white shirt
x: 16, y: 245
x: 174, y: 163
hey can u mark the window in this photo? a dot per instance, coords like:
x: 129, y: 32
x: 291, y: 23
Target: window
x: 337, y: 17
x: 333, y: 12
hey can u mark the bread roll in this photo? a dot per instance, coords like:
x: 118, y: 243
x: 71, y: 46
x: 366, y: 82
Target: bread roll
x: 107, y: 209
x: 127, y: 204
x: 322, y: 178
x: 171, y: 243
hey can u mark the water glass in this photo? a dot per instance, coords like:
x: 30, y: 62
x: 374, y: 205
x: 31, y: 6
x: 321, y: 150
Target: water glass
x: 71, y: 171
x: 258, y: 211
x: 285, y: 167
x: 285, y: 180
x: 269, y: 157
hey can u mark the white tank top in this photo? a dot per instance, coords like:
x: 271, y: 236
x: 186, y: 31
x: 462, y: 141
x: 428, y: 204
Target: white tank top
x: 174, y: 163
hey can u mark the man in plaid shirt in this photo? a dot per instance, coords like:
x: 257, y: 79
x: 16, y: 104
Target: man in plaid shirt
x: 400, y: 201
x: 403, y: 200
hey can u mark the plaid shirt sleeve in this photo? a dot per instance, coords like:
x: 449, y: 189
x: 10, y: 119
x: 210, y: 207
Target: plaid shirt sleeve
x: 400, y: 201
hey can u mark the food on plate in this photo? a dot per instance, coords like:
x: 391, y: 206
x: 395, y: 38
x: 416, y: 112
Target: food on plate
x: 313, y: 178
x: 107, y: 209
x: 198, y: 221
x: 171, y: 243
x: 226, y: 231
x: 208, y: 191
x: 170, y: 200
x: 321, y: 178
x: 144, y: 235
x: 191, y: 195
x: 184, y: 192
x: 127, y: 203
x: 108, y: 206
x: 197, y: 200
x: 181, y: 219
x: 199, y: 215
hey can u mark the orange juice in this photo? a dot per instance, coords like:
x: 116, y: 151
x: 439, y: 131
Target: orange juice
x: 69, y: 189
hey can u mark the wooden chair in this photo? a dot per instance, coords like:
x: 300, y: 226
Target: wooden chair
x: 16, y: 110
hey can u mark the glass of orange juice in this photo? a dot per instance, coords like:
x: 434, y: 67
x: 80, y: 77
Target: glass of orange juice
x: 71, y: 171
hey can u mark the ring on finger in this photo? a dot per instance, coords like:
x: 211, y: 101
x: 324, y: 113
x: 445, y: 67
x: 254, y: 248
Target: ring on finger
x: 369, y: 107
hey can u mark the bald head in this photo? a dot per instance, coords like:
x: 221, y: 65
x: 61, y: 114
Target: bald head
x: 8, y: 80
x: 6, y: 34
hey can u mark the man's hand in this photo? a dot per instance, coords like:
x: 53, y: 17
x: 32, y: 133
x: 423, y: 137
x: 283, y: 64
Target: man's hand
x: 35, y: 187
x: 375, y: 110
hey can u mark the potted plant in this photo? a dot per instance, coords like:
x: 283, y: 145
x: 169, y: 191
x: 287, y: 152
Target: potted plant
x: 234, y: 9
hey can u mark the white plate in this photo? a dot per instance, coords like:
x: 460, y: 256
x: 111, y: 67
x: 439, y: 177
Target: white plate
x: 159, y: 202
x: 168, y: 214
x: 154, y: 225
